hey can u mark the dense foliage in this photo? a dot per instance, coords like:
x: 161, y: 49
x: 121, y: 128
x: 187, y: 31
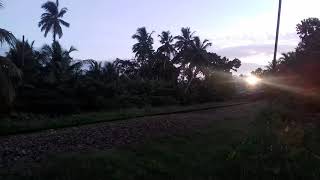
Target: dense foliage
x: 296, y: 72
x: 181, y: 70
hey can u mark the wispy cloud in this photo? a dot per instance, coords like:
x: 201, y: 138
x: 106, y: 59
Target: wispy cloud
x: 252, y: 38
x: 253, y: 53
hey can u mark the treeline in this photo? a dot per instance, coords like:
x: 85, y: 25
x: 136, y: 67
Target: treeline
x: 50, y: 80
x: 298, y: 71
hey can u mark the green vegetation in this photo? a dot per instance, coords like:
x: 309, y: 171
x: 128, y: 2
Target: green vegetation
x: 297, y: 72
x: 47, y: 88
x: 260, y: 148
x: 180, y: 71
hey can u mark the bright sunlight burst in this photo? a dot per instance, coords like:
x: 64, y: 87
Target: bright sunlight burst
x: 252, y: 80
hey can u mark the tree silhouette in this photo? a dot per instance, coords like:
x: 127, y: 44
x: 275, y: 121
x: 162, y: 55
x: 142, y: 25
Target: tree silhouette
x: 21, y: 49
x: 143, y: 49
x: 185, y: 40
x: 309, y: 33
x: 10, y: 76
x: 51, y: 20
x: 201, y: 45
x: 167, y: 47
x: 192, y: 55
x: 58, y: 63
x: 6, y: 36
x: 126, y: 68
x: 54, y: 82
x: 30, y: 65
x: 95, y: 69
x: 288, y: 58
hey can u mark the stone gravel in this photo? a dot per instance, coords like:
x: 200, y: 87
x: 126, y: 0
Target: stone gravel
x: 37, y: 146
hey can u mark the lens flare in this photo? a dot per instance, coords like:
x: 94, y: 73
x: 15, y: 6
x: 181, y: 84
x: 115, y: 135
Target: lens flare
x: 252, y: 80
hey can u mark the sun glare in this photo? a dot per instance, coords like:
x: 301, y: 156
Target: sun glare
x: 252, y: 80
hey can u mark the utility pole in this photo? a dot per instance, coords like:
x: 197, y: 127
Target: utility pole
x: 274, y: 62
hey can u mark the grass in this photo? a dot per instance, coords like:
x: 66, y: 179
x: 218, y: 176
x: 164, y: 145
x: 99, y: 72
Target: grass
x: 229, y: 149
x: 24, y: 123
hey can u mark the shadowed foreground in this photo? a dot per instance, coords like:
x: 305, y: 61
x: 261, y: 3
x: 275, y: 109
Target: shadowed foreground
x: 239, y: 142
x: 33, y: 147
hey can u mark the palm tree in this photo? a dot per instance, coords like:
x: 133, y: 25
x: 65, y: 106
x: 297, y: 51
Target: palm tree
x: 201, y: 45
x: 167, y: 47
x: 288, y: 58
x: 192, y: 56
x: 26, y: 58
x: 162, y: 65
x: 10, y: 76
x: 51, y: 20
x: 95, y: 69
x: 196, y: 58
x: 143, y: 48
x: 58, y: 62
x: 6, y: 36
x: 109, y: 72
x: 184, y: 40
x: 21, y: 49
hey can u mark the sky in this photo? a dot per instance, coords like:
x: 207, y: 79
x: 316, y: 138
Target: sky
x: 102, y: 29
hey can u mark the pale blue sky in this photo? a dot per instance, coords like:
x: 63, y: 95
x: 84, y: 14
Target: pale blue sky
x: 102, y: 29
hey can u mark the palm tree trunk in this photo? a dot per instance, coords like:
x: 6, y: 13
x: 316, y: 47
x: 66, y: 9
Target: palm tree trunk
x: 22, y: 59
x: 188, y: 86
x: 54, y: 37
x: 191, y: 80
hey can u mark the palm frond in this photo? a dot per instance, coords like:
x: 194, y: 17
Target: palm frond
x: 72, y: 49
x: 76, y: 65
x: 50, y: 7
x: 66, y: 24
x: 13, y: 72
x: 62, y: 12
x: 7, y: 37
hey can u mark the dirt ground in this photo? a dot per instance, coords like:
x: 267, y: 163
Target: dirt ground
x: 37, y: 146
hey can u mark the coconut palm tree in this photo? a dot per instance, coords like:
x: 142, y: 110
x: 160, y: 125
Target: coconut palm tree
x: 185, y: 40
x: 26, y: 58
x: 192, y: 55
x: 59, y: 64
x: 109, y: 72
x: 196, y: 59
x: 95, y: 69
x: 167, y: 47
x: 143, y: 48
x: 201, y: 45
x: 21, y: 49
x: 51, y: 20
